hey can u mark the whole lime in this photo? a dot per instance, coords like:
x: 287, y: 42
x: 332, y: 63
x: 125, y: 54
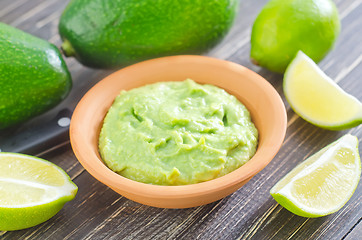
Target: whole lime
x: 283, y: 27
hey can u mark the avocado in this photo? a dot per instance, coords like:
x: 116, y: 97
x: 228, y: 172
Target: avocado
x: 108, y: 34
x: 33, y: 76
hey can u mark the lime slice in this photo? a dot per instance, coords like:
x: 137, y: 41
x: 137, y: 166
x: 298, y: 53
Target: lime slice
x: 32, y: 190
x: 324, y: 182
x: 317, y: 98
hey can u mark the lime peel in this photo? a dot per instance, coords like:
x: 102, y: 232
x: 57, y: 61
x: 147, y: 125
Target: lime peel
x: 326, y: 193
x: 284, y: 27
x: 317, y: 98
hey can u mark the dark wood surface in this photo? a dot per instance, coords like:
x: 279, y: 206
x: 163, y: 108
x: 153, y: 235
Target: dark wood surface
x: 97, y: 212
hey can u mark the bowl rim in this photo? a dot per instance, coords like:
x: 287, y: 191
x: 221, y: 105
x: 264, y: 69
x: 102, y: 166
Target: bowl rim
x: 95, y: 166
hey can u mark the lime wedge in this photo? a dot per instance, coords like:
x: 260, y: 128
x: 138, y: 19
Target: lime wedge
x: 32, y: 190
x: 323, y: 183
x: 317, y: 98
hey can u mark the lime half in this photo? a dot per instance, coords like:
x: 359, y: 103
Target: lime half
x: 317, y: 98
x: 32, y: 190
x: 324, y: 182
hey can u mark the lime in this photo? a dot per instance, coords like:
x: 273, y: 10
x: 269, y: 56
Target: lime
x: 324, y: 182
x: 32, y: 190
x: 285, y: 26
x: 317, y: 98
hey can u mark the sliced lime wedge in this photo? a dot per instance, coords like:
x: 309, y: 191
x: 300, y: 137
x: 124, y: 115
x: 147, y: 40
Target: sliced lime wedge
x: 323, y: 183
x: 317, y: 98
x: 32, y: 190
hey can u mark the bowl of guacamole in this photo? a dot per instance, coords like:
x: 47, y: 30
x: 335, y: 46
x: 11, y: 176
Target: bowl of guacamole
x: 176, y: 133
x: 179, y: 131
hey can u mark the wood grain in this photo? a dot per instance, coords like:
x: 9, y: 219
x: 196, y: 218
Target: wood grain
x: 355, y: 233
x: 250, y: 213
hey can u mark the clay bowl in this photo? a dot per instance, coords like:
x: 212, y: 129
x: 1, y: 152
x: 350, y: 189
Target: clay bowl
x: 264, y: 103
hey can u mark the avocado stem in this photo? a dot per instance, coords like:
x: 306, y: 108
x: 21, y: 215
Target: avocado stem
x: 67, y: 49
x: 254, y: 61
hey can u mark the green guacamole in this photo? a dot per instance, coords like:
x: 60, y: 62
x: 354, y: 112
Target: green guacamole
x: 176, y: 133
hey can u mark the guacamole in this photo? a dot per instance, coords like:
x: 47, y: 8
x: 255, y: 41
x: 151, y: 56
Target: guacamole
x: 176, y: 133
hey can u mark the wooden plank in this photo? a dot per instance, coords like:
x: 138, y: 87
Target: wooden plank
x: 250, y: 213
x: 23, y: 15
x: 356, y: 232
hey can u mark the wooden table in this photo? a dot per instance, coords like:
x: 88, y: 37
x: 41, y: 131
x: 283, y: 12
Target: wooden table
x: 97, y: 212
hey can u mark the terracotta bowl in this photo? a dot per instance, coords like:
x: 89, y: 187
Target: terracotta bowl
x: 264, y: 103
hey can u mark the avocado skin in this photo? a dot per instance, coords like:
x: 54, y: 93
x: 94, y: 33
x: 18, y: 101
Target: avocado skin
x: 108, y: 34
x: 33, y: 76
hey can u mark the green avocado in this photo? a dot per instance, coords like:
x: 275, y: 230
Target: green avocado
x: 33, y: 76
x: 108, y: 34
